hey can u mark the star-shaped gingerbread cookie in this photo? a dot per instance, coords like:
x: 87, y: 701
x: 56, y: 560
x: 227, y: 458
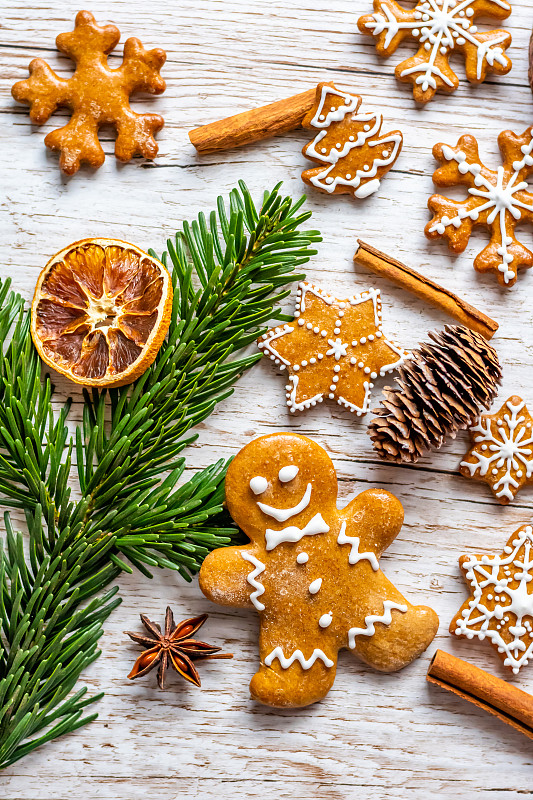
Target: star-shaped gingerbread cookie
x: 502, y: 453
x: 500, y: 607
x: 334, y: 348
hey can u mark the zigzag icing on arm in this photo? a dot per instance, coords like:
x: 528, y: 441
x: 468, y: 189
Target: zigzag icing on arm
x: 294, y: 534
x: 355, y: 556
x: 372, y: 619
x: 305, y: 663
x: 252, y: 579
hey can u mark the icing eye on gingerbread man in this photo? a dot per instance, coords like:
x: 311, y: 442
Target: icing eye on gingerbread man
x: 258, y: 484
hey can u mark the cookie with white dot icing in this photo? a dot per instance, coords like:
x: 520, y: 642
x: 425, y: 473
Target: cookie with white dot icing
x: 500, y: 607
x: 351, y: 155
x: 334, y: 349
x: 502, y: 450
x: 311, y: 571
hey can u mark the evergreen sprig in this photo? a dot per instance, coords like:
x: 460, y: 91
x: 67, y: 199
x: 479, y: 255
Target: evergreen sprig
x: 229, y: 272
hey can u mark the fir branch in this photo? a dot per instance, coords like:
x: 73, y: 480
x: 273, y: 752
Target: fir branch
x: 242, y: 263
x: 229, y: 273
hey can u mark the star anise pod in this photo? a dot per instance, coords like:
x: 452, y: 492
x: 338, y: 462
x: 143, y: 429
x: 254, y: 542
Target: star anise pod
x: 174, y: 647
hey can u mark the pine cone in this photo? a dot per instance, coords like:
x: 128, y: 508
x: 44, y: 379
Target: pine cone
x: 442, y: 389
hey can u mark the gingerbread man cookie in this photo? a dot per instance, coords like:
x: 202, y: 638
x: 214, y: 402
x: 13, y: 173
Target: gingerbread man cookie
x: 311, y: 571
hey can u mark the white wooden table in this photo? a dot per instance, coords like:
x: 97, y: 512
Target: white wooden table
x: 376, y: 736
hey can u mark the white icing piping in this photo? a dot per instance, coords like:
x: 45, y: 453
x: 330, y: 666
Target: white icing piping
x: 501, y: 199
x: 351, y: 104
x: 498, y: 571
x: 440, y: 27
x: 511, y: 450
x: 258, y: 485
x: 355, y: 556
x: 372, y: 619
x: 292, y: 388
x: 252, y: 579
x: 337, y: 347
x: 294, y: 534
x: 297, y: 656
x: 314, y: 587
x: 283, y: 514
x: 363, y: 180
x: 287, y: 474
x: 325, y: 620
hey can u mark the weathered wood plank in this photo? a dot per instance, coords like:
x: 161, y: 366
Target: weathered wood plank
x: 377, y: 737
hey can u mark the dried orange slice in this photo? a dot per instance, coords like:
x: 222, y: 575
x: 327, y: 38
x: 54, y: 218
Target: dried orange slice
x: 101, y: 311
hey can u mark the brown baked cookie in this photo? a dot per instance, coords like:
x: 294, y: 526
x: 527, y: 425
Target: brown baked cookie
x: 334, y: 348
x: 351, y: 154
x: 500, y: 607
x: 311, y: 571
x: 502, y: 450
x: 96, y: 95
x: 440, y: 28
x: 498, y: 200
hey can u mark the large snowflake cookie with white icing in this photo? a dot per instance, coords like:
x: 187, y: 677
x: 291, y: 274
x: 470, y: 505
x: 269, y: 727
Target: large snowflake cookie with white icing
x: 351, y: 154
x: 496, y: 199
x: 311, y: 571
x: 440, y: 28
x: 502, y: 450
x: 335, y: 348
x: 500, y: 607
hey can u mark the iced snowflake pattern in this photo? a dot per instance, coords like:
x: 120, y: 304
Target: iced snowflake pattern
x: 502, y: 454
x: 498, y: 200
x: 440, y: 27
x: 501, y: 606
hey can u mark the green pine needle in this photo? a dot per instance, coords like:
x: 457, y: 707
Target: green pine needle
x: 229, y: 272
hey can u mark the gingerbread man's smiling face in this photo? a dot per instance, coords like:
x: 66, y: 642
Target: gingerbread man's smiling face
x: 279, y: 486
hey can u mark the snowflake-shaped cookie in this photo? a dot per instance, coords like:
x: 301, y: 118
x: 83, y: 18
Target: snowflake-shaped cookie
x: 96, y: 95
x: 502, y: 454
x: 333, y: 348
x: 501, y: 605
x: 498, y: 200
x: 440, y: 27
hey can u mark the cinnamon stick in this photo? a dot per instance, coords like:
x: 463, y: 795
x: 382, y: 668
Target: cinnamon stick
x: 502, y: 699
x: 423, y: 287
x: 252, y: 126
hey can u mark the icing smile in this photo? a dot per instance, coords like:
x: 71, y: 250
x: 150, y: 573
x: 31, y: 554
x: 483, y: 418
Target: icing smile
x: 283, y: 514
